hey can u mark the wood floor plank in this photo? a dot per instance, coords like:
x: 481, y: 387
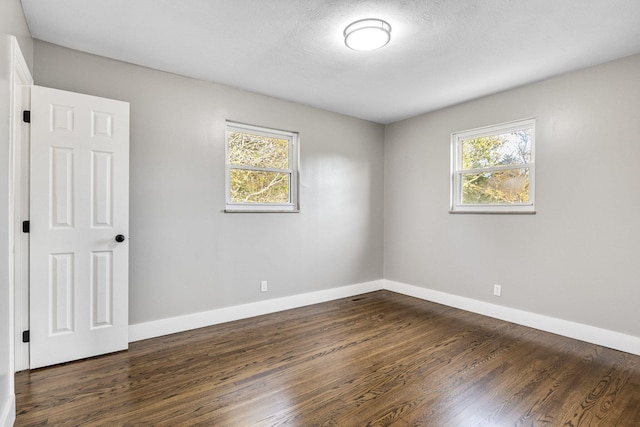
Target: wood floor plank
x: 380, y: 359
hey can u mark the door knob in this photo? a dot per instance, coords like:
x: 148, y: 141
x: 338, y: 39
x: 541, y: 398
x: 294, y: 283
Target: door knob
x: 120, y: 238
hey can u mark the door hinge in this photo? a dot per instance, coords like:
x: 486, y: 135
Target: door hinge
x: 25, y: 336
x: 26, y: 116
x: 26, y: 226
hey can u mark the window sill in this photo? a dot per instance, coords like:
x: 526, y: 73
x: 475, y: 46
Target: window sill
x: 260, y: 211
x: 488, y: 212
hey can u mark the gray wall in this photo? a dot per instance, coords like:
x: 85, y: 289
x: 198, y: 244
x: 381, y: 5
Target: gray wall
x: 186, y: 255
x: 12, y: 22
x: 577, y: 258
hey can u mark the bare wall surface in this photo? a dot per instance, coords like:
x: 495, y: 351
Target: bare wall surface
x: 12, y: 23
x: 187, y: 255
x: 577, y: 257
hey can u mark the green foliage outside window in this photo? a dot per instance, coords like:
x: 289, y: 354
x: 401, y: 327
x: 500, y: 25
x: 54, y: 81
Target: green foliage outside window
x: 501, y: 184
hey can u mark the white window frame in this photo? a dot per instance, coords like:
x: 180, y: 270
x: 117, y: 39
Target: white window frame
x: 293, y: 138
x: 456, y: 169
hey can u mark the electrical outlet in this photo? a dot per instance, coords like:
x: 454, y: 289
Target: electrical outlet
x: 263, y: 286
x: 497, y: 290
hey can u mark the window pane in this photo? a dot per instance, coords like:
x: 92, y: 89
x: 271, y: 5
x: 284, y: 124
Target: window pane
x: 246, y: 149
x: 249, y: 186
x: 512, y: 148
x: 497, y: 187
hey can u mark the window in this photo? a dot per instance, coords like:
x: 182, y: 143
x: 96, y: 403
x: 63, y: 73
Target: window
x: 493, y: 168
x: 261, y: 169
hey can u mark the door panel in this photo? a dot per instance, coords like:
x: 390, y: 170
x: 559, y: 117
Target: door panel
x: 61, y: 181
x: 79, y: 203
x: 101, y: 189
x: 101, y: 289
x: 61, y: 301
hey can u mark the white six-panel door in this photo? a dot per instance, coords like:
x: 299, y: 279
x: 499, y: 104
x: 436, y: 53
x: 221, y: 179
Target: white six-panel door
x: 79, y: 203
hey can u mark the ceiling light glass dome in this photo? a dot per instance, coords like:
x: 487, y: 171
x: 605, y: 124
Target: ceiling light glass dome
x: 367, y: 34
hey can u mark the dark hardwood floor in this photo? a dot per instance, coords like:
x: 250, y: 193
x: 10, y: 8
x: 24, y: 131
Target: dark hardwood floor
x: 379, y: 359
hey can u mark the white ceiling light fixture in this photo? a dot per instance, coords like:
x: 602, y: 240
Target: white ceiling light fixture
x: 367, y: 34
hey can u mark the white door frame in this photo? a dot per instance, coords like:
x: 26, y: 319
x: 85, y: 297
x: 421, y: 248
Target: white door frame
x: 20, y: 83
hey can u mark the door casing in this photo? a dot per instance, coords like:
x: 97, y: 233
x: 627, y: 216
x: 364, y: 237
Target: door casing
x: 20, y: 87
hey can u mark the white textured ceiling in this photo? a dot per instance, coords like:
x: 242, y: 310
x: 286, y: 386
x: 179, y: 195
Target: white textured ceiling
x: 442, y: 52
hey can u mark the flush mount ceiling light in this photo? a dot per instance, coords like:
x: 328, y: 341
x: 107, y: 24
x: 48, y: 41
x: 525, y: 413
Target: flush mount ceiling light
x: 367, y: 34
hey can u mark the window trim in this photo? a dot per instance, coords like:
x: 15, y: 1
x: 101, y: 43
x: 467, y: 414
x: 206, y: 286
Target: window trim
x: 456, y: 169
x: 292, y: 170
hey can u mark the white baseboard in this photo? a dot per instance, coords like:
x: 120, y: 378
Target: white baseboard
x: 591, y: 334
x: 8, y: 413
x: 156, y: 328
x: 579, y: 331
